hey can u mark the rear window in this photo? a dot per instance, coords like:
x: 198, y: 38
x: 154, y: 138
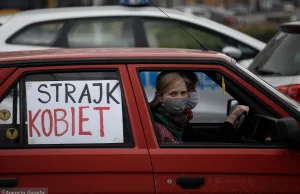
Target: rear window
x: 280, y: 56
x: 66, y: 109
x: 41, y: 34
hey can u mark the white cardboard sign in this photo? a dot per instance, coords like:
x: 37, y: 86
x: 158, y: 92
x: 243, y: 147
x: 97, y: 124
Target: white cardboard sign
x: 72, y: 112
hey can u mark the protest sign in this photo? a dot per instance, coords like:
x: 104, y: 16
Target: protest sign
x: 72, y: 112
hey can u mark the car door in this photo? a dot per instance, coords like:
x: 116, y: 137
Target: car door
x: 72, y: 129
x: 205, y: 166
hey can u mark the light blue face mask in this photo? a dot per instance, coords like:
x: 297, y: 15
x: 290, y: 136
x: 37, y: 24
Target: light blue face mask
x: 193, y: 99
x: 175, y: 106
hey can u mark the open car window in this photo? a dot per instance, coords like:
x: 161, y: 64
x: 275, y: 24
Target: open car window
x: 219, y: 96
x: 211, y: 95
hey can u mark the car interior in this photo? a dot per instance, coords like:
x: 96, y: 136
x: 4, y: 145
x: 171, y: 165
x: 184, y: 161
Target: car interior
x: 258, y: 127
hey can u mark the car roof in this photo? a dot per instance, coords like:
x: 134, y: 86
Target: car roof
x: 50, y: 14
x: 93, y: 10
x: 109, y: 53
x: 5, y: 18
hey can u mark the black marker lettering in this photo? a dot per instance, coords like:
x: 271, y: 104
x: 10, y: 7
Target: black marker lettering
x: 109, y: 93
x: 100, y: 92
x: 44, y: 92
x: 69, y: 92
x: 57, y: 90
x: 85, y: 92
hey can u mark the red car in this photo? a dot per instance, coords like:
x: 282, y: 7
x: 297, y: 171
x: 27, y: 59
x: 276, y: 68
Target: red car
x: 79, y: 121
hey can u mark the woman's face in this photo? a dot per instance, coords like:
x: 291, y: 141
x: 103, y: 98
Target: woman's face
x: 178, y: 90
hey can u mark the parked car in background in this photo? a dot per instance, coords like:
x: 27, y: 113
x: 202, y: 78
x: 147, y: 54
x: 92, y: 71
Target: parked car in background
x: 122, y: 26
x: 279, y: 62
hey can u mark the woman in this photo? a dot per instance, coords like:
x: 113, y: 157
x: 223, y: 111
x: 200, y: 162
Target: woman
x: 169, y: 109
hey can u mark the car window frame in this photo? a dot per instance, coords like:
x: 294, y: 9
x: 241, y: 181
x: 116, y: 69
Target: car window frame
x: 152, y: 136
x: 20, y: 80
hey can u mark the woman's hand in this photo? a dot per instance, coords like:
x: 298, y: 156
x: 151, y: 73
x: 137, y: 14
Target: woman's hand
x: 236, y: 113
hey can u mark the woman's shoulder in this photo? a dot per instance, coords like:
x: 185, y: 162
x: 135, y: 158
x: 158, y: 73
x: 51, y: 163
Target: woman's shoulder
x: 161, y: 129
x: 164, y: 135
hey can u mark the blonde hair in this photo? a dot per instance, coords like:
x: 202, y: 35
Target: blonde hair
x: 164, y: 82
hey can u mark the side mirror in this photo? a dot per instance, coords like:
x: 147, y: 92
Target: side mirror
x: 232, y: 52
x: 287, y: 129
x: 231, y: 105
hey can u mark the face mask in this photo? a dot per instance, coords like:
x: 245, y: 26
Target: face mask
x: 193, y: 100
x: 175, y: 106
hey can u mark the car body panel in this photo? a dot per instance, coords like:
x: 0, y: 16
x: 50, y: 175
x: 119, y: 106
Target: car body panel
x: 5, y: 73
x: 5, y: 18
x: 56, y: 167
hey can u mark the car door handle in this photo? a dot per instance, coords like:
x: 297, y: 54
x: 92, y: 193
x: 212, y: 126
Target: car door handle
x: 190, y: 182
x: 8, y: 182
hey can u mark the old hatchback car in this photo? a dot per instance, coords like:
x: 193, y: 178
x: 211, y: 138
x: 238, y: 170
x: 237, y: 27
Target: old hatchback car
x: 279, y: 62
x: 79, y: 121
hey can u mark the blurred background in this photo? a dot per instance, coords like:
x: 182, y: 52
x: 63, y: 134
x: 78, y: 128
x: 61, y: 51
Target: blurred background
x: 257, y: 18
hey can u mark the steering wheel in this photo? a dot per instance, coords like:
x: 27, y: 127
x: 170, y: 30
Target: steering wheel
x: 239, y: 121
x: 236, y: 136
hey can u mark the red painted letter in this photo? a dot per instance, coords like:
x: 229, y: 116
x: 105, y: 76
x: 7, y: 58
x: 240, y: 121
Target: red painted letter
x: 50, y: 121
x: 81, y: 119
x: 31, y: 123
x: 73, y: 120
x: 56, y: 120
x: 100, y: 109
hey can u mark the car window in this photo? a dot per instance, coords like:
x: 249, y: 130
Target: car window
x: 167, y: 33
x: 281, y: 55
x: 66, y: 109
x: 204, y: 117
x: 41, y: 34
x: 210, y: 93
x: 100, y: 32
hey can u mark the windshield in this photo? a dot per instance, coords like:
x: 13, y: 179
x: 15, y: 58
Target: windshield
x: 280, y: 56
